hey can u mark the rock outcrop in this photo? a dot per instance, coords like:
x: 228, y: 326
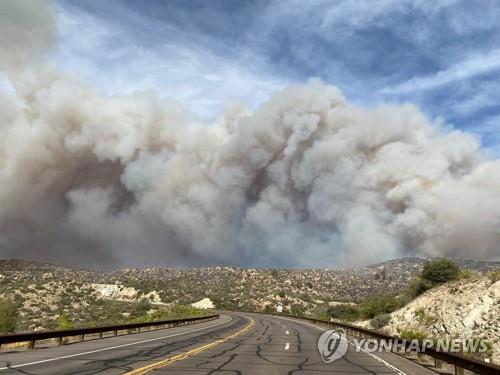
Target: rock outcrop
x: 468, y: 308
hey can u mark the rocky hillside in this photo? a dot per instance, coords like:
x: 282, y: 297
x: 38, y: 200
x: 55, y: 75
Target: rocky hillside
x: 44, y: 291
x: 468, y: 308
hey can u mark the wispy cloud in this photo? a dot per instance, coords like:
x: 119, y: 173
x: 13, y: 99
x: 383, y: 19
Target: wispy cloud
x: 443, y: 56
x: 181, y: 64
x: 465, y: 69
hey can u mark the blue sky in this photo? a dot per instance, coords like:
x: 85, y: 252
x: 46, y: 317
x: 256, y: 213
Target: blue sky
x: 443, y: 56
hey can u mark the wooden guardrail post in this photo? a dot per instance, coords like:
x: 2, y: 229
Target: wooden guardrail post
x: 459, y: 370
x: 438, y: 363
x: 420, y: 356
x: 31, y: 344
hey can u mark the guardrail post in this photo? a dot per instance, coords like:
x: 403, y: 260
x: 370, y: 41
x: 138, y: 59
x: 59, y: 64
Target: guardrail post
x: 129, y: 331
x: 438, y: 363
x: 115, y: 332
x: 100, y: 335
x: 459, y: 370
x: 82, y: 337
x: 59, y: 340
x: 31, y: 344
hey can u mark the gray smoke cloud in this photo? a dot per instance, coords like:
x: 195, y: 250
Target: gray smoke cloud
x: 306, y: 180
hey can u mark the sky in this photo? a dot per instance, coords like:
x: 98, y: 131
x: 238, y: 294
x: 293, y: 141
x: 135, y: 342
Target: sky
x: 251, y: 133
x: 443, y: 56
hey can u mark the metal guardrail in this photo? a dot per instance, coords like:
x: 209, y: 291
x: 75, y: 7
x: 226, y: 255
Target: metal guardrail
x: 460, y: 362
x: 32, y: 337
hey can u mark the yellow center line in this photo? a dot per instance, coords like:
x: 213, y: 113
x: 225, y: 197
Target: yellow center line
x: 181, y: 356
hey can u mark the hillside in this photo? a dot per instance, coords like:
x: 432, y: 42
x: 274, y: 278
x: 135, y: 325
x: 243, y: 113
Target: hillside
x: 44, y: 291
x: 468, y: 308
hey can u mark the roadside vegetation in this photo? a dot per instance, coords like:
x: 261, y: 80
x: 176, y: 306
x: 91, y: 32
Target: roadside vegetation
x: 99, y: 313
x: 122, y: 313
x: 434, y: 273
x: 8, y: 316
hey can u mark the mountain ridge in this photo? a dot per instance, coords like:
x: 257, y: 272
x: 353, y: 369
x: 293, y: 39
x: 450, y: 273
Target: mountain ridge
x: 44, y: 291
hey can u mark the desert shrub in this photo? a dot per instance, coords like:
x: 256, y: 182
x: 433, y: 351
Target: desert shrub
x: 466, y: 274
x: 379, y: 305
x: 380, y: 321
x: 439, y: 271
x: 367, y: 309
x: 63, y: 322
x: 297, y: 310
x: 175, y: 312
x: 268, y: 309
x: 474, y: 348
x: 8, y: 316
x: 494, y: 276
x: 344, y: 312
x: 424, y: 317
x: 142, y: 307
x: 435, y: 272
x: 409, y: 334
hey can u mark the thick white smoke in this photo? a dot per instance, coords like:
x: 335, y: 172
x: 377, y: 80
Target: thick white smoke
x: 306, y: 180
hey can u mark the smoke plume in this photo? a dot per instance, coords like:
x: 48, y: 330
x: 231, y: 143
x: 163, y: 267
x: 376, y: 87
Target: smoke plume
x: 306, y: 180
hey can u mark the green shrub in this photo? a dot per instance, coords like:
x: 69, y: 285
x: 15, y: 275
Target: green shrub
x: 439, y: 271
x: 380, y: 321
x: 425, y: 318
x: 297, y: 310
x: 409, y: 334
x: 63, y: 322
x: 466, y: 274
x: 474, y: 348
x: 269, y: 309
x: 435, y: 272
x: 344, y: 312
x: 174, y: 312
x: 8, y: 316
x: 495, y: 276
x: 379, y: 305
x: 367, y: 309
x: 142, y: 307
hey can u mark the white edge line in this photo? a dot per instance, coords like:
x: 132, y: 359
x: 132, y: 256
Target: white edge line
x: 350, y: 343
x: 113, y: 347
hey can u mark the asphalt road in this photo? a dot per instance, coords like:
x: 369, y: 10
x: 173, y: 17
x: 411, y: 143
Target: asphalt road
x: 264, y: 345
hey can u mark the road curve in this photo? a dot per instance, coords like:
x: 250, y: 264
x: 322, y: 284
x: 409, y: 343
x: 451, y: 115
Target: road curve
x: 235, y: 343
